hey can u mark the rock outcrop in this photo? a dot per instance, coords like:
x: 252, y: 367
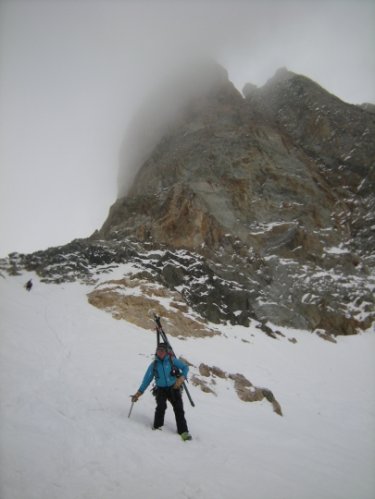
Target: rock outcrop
x: 246, y: 391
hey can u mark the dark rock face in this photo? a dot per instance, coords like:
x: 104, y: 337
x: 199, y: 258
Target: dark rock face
x: 338, y: 137
x: 259, y: 207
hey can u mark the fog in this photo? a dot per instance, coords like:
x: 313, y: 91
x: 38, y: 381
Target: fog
x: 74, y: 73
x: 162, y: 110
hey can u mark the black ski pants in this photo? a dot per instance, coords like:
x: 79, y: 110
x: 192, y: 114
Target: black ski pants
x: 175, y: 398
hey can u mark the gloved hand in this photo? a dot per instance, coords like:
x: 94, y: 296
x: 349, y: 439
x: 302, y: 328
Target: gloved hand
x: 136, y: 396
x: 179, y: 383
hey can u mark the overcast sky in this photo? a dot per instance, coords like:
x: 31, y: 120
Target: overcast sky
x: 72, y: 73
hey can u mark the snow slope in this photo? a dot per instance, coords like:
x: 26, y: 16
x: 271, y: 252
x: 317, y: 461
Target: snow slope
x: 66, y: 373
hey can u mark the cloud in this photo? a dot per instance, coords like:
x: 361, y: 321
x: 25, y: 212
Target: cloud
x: 74, y: 73
x: 252, y: 40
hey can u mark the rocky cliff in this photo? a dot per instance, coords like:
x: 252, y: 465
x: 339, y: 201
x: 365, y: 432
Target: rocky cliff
x: 251, y: 207
x: 275, y: 192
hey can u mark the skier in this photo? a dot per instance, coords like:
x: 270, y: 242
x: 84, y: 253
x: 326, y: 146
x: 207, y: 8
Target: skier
x: 165, y: 369
x: 29, y: 285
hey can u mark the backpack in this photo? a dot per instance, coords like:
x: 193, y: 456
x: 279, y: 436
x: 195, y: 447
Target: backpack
x: 174, y: 371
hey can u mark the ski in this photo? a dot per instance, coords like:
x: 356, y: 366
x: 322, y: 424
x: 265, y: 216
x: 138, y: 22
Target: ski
x: 161, y: 334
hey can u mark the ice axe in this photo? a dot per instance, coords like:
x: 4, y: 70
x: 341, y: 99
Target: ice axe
x: 131, y: 408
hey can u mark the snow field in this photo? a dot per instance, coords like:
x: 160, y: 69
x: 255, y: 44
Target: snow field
x: 67, y: 371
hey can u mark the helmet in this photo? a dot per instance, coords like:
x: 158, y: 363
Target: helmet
x: 162, y: 346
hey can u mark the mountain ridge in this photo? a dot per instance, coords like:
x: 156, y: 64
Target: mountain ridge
x: 276, y: 174
x: 253, y: 208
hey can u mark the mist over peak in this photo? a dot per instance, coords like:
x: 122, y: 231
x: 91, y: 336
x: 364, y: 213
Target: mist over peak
x: 166, y: 105
x: 73, y: 74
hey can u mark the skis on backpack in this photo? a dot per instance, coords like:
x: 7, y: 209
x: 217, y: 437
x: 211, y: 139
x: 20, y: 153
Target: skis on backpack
x: 161, y: 337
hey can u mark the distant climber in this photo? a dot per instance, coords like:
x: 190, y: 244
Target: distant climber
x: 29, y: 285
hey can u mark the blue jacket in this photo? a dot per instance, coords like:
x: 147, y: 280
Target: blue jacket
x: 161, y: 371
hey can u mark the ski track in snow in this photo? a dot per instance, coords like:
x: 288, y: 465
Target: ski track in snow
x: 67, y: 371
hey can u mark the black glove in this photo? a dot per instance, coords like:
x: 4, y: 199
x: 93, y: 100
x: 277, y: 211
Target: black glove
x: 136, y: 396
